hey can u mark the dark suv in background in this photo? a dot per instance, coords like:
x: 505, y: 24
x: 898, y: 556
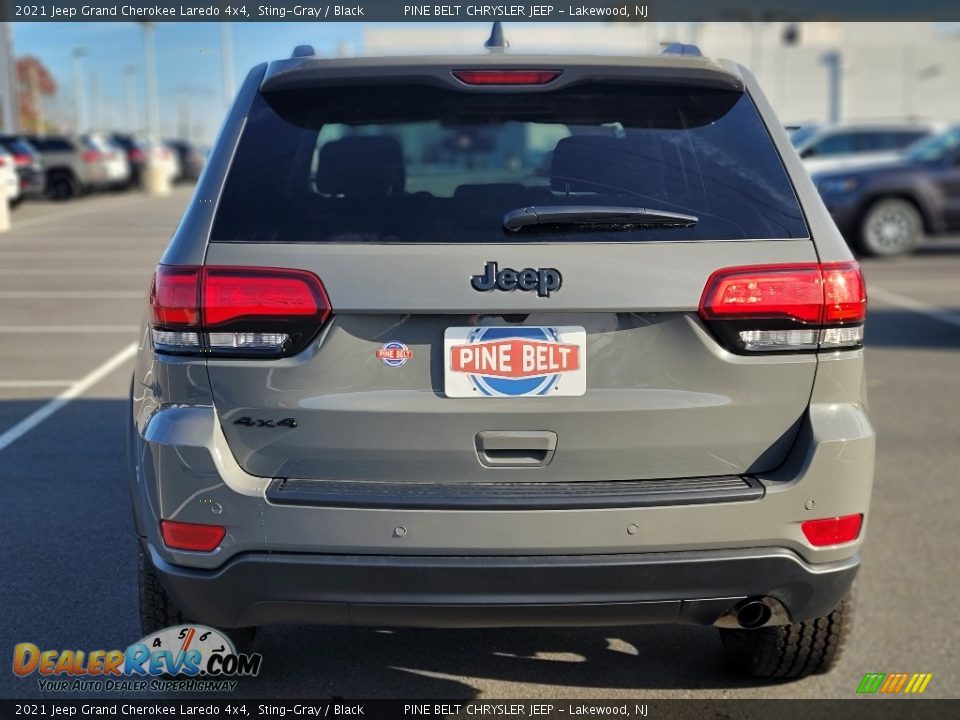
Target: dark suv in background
x: 887, y: 208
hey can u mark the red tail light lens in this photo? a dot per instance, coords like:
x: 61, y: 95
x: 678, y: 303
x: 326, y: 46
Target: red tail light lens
x: 191, y: 536
x: 832, y: 531
x: 175, y: 296
x: 235, y: 310
x: 782, y: 308
x: 844, y: 294
x: 21, y: 159
x: 229, y: 294
x: 91, y: 156
x: 136, y: 155
x: 506, y: 77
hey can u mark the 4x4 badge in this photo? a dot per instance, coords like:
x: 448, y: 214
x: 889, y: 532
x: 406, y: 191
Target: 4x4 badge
x: 543, y: 280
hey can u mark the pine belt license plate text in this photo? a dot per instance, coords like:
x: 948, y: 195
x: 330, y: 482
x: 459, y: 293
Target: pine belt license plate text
x: 516, y: 361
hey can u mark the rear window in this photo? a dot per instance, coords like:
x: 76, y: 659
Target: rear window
x: 428, y: 165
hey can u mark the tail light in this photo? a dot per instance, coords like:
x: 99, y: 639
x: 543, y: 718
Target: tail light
x: 22, y: 159
x: 832, y: 531
x: 506, y: 77
x: 785, y: 308
x: 235, y: 311
x: 191, y: 536
x: 91, y: 156
x: 3, y: 161
x: 136, y: 155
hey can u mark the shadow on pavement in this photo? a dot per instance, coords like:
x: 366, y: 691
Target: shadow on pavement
x: 891, y: 327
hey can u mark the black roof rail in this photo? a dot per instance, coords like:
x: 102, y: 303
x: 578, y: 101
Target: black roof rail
x: 303, y: 51
x: 681, y: 49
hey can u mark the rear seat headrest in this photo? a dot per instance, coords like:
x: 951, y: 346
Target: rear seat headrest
x: 361, y: 166
x: 603, y: 164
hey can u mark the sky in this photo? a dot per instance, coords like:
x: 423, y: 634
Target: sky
x: 188, y: 62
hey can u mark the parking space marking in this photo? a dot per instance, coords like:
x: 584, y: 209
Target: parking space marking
x: 70, y: 294
x: 71, y: 393
x: 917, y: 306
x: 57, y: 329
x: 98, y: 207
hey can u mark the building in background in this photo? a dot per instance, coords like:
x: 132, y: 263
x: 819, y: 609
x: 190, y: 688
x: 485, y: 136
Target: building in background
x: 8, y: 97
x: 885, y: 70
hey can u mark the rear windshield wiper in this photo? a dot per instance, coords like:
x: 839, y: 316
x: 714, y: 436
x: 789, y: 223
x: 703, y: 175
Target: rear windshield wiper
x: 596, y: 216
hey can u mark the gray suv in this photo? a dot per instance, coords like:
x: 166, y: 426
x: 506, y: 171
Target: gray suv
x: 505, y: 340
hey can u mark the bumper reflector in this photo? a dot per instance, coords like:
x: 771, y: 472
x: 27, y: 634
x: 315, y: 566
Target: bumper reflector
x: 191, y: 536
x: 832, y: 531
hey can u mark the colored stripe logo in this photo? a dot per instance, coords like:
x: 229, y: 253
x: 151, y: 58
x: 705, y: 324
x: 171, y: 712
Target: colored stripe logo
x: 894, y: 683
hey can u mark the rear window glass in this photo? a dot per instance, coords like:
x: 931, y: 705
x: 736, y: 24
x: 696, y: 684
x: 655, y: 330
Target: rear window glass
x: 428, y: 165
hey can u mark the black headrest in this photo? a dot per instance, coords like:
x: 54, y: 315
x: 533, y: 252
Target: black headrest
x: 361, y: 166
x: 603, y: 164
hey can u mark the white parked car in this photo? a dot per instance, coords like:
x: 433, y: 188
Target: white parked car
x: 9, y: 180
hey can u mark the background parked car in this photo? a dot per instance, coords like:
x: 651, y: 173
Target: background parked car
x: 885, y: 209
x: 28, y: 164
x: 142, y: 151
x: 9, y: 181
x: 840, y: 145
x: 799, y: 134
x: 190, y: 157
x: 78, y: 164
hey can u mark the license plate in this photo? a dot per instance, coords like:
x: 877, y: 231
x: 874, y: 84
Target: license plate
x: 517, y: 361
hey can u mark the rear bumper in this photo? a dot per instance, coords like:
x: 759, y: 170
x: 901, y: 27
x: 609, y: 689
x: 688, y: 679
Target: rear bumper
x: 438, y: 591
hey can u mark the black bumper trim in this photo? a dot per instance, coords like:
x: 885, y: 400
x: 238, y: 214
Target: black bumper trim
x: 513, y: 496
x: 500, y: 591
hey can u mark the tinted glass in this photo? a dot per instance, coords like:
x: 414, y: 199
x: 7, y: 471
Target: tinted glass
x: 890, y: 139
x: 427, y: 165
x: 836, y: 145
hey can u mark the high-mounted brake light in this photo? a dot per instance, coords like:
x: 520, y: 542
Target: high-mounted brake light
x: 235, y: 310
x: 780, y: 308
x: 191, y: 536
x: 832, y: 531
x: 506, y: 77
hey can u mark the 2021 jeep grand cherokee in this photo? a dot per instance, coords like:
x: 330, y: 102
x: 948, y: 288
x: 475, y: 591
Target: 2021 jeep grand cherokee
x: 505, y: 340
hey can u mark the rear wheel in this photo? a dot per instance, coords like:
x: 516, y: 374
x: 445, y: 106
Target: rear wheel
x: 61, y: 186
x: 158, y: 610
x: 891, y: 226
x: 790, y: 651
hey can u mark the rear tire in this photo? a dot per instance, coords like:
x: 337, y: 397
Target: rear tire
x: 889, y: 227
x: 61, y: 186
x: 791, y: 651
x: 158, y: 610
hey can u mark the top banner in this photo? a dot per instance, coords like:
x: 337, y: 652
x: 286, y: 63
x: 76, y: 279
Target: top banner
x: 542, y: 11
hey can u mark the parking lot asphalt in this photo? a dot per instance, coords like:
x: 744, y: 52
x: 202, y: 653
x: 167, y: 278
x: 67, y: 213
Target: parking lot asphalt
x: 73, y: 280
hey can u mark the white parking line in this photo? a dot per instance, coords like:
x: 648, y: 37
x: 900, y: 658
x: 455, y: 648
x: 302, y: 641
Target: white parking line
x: 93, y: 207
x: 70, y: 294
x: 917, y: 306
x: 71, y: 393
x: 55, y: 329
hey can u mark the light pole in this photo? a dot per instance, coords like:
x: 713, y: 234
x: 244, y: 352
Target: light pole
x: 833, y: 59
x: 226, y: 63
x: 129, y: 99
x: 96, y: 109
x: 79, y: 115
x: 150, y: 76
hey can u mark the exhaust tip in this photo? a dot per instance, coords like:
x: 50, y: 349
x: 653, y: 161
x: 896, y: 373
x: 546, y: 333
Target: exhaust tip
x: 753, y: 614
